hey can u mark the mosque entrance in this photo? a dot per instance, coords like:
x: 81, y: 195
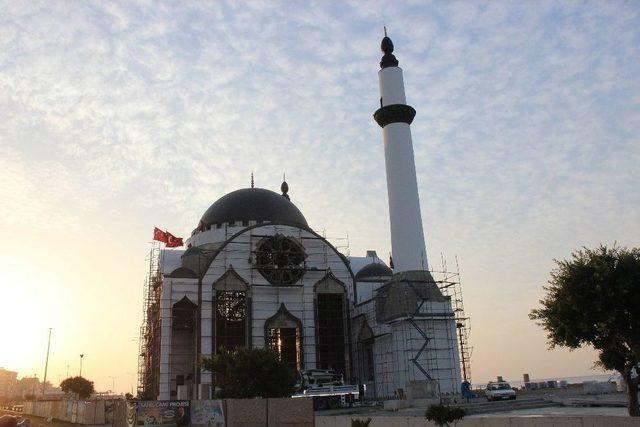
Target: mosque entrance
x: 283, y: 334
x: 285, y: 341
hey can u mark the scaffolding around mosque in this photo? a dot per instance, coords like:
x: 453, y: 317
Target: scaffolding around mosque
x: 429, y: 335
x: 149, y: 338
x: 450, y: 284
x: 438, y: 359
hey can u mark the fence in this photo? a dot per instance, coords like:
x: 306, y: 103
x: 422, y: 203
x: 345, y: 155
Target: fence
x: 180, y: 413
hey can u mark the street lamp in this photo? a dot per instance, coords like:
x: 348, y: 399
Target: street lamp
x: 81, y: 356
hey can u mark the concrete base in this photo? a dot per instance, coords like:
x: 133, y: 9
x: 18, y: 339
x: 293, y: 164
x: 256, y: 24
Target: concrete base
x: 394, y: 405
x: 530, y: 421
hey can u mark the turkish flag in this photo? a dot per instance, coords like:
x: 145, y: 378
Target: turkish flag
x: 390, y: 262
x: 173, y: 241
x: 159, y: 235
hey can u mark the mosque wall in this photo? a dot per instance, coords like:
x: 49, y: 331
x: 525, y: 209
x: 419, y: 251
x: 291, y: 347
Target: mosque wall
x: 265, y: 301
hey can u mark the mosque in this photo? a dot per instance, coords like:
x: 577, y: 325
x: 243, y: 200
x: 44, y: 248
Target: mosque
x: 255, y: 274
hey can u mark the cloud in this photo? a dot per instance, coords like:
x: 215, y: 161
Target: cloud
x: 526, y: 138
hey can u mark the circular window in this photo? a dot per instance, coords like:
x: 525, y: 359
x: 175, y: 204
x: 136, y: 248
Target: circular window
x: 280, y: 260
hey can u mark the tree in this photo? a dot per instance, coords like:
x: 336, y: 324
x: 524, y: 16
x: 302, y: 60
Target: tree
x: 247, y: 373
x: 79, y: 385
x: 594, y: 299
x: 443, y: 415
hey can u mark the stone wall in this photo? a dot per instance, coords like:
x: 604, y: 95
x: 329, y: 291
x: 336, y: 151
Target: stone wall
x: 238, y: 412
x: 77, y: 412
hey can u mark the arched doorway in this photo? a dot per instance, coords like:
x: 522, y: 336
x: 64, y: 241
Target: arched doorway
x: 183, y: 344
x: 283, y: 334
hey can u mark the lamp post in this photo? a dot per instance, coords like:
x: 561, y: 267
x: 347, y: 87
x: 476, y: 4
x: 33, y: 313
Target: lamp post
x: 81, y: 356
x: 46, y: 365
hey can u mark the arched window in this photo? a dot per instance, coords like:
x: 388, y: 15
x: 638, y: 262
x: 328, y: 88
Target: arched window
x: 331, y: 342
x: 231, y: 311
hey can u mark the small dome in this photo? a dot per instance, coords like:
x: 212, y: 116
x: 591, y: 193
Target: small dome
x: 254, y: 204
x: 374, y: 271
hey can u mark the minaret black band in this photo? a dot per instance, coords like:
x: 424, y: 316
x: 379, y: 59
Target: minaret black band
x: 395, y: 113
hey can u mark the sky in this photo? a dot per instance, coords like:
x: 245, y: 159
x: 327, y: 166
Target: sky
x: 116, y: 117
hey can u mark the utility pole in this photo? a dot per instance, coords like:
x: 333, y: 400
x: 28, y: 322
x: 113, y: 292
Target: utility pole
x: 81, y: 356
x: 46, y: 365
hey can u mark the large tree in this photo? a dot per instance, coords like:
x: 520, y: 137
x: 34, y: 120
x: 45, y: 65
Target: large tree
x: 594, y: 299
x: 247, y: 373
x: 82, y: 386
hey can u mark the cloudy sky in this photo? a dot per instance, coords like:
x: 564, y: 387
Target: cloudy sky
x: 116, y: 117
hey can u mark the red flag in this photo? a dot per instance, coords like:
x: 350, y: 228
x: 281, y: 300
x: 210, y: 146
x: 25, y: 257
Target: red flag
x: 390, y: 262
x: 173, y: 241
x: 159, y: 235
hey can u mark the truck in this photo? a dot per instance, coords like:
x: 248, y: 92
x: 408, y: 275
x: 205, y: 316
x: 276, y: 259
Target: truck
x: 327, y: 388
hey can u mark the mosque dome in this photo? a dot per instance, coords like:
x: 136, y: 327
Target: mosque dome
x: 254, y: 204
x: 374, y: 271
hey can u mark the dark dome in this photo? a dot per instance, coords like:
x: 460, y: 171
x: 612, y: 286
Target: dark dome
x: 254, y: 204
x: 373, y: 270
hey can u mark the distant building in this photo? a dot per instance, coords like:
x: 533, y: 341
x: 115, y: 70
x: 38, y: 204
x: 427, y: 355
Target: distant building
x: 8, y: 381
x: 26, y: 386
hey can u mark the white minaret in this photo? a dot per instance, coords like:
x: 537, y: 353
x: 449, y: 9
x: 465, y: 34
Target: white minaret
x: 394, y: 117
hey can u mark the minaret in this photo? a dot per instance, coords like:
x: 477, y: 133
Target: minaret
x: 394, y: 117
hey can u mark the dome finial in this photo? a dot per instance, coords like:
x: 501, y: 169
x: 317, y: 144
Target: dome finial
x: 285, y: 187
x: 388, y: 60
x: 251, y: 179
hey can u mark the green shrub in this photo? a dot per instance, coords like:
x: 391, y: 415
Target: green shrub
x: 360, y: 423
x: 443, y: 415
x: 246, y: 373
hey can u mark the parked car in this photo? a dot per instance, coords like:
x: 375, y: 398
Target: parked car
x: 499, y: 390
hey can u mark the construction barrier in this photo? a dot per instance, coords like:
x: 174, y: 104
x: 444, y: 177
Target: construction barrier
x: 72, y: 411
x: 179, y: 413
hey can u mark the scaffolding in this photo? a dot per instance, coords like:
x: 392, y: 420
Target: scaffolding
x: 433, y: 334
x: 422, y: 342
x: 450, y: 284
x: 149, y: 338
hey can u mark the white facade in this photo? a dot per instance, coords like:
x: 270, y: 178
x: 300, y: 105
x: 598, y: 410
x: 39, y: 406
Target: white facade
x: 405, y: 363
x: 255, y: 274
x: 326, y: 272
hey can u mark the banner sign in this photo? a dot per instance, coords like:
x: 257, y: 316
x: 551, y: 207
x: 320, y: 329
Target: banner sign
x: 164, y: 413
x: 207, y: 413
x: 132, y: 407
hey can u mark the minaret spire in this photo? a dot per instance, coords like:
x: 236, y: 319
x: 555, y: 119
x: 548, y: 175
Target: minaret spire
x: 252, y: 179
x: 394, y: 117
x: 285, y: 187
x: 388, y: 59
